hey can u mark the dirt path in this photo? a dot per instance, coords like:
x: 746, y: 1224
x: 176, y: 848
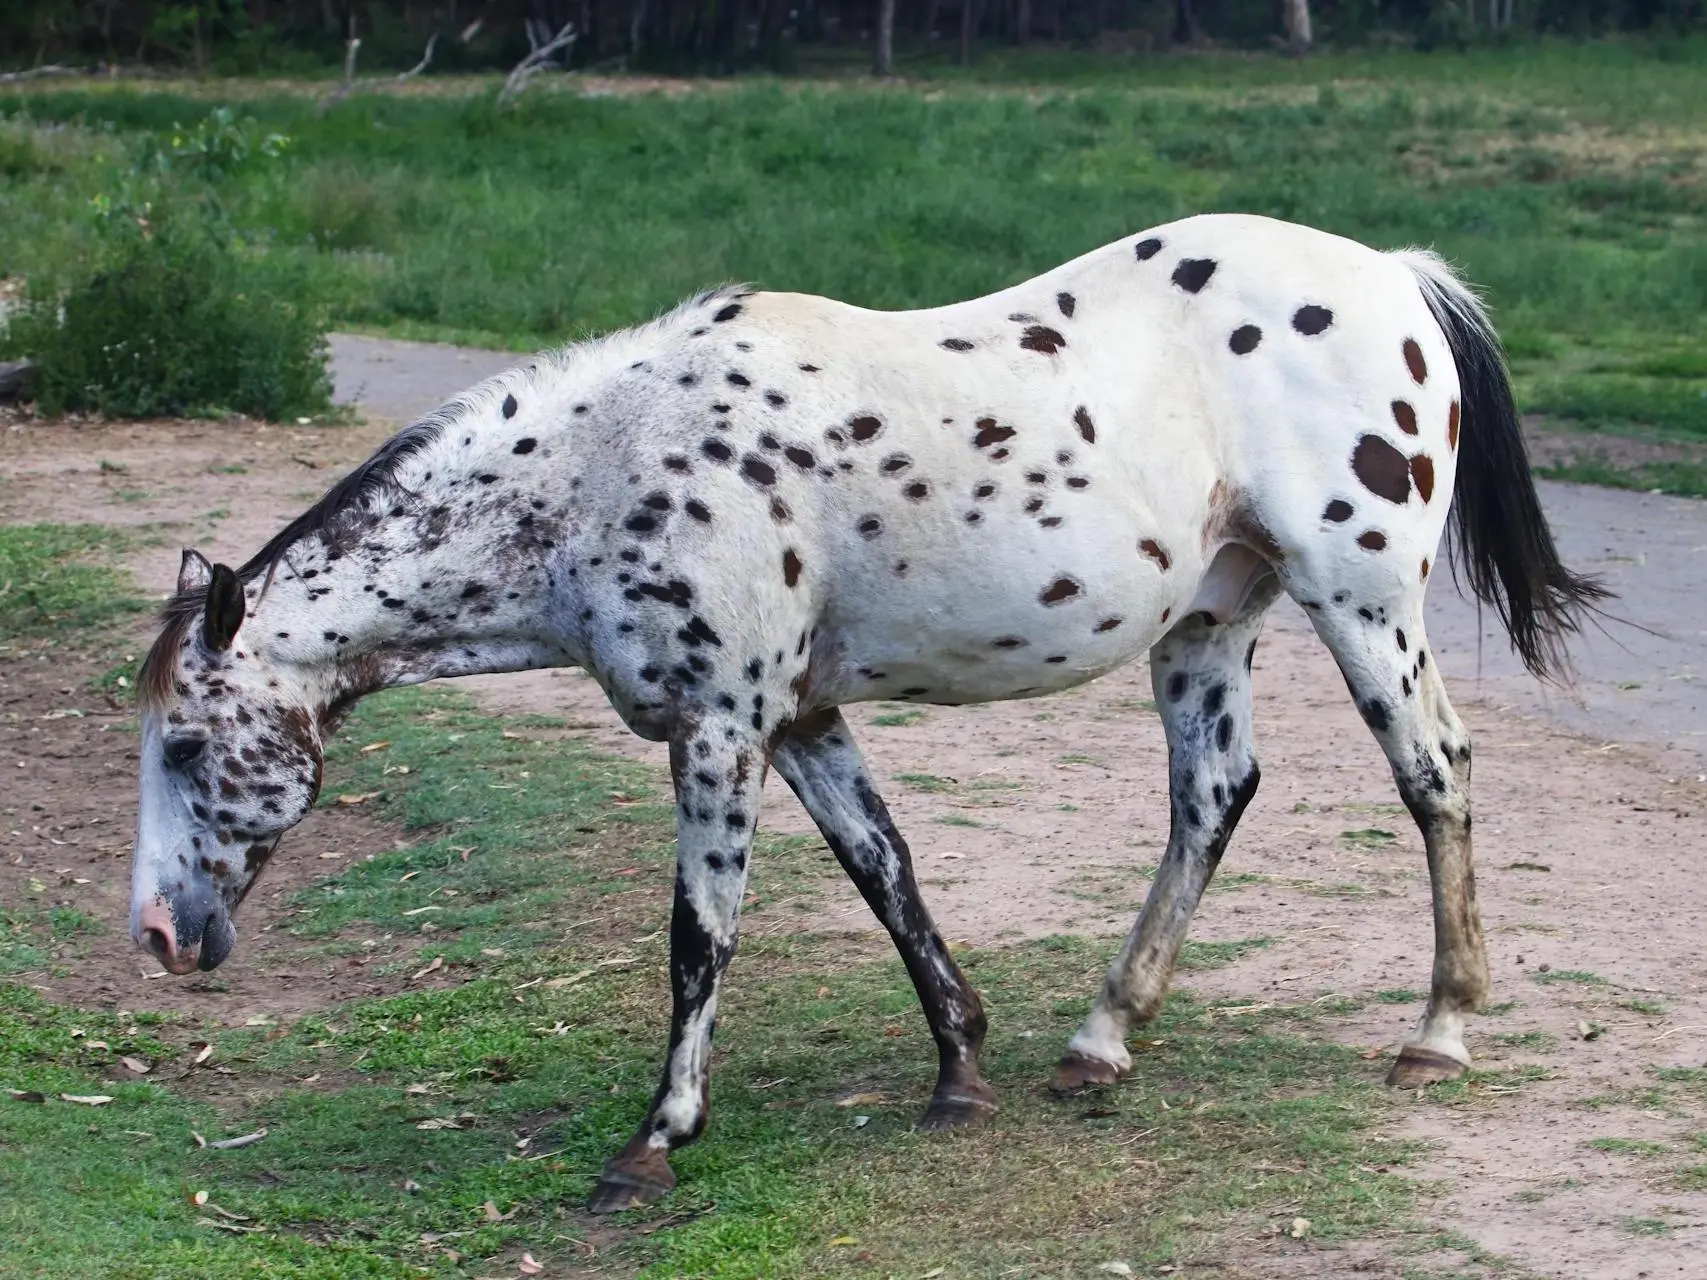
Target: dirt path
x: 1045, y: 816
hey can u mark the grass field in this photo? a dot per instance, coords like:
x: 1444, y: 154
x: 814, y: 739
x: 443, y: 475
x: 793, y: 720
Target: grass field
x: 1569, y: 180
x: 394, y: 1123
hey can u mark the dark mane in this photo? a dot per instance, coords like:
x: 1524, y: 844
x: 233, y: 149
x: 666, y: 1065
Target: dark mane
x: 154, y: 680
x: 377, y: 473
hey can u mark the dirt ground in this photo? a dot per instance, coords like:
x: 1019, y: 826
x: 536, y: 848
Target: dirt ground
x: 1029, y: 818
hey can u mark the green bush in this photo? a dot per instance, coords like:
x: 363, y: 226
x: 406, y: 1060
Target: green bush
x: 177, y: 315
x: 177, y: 323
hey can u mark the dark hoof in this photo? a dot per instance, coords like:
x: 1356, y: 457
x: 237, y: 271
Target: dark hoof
x: 630, y: 1182
x: 1415, y: 1068
x: 963, y: 1106
x: 1079, y: 1072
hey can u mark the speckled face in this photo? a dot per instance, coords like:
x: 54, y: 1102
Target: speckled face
x: 230, y: 761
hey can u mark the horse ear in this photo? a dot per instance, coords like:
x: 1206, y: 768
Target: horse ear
x: 224, y: 611
x: 194, y: 572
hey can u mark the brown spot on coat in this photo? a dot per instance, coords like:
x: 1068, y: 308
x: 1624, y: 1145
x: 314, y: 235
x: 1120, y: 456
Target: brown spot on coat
x: 758, y: 470
x: 1041, y: 338
x: 1310, y: 319
x: 1154, y: 550
x: 1415, y: 363
x: 1062, y: 589
x: 1405, y: 416
x: 790, y: 567
x: 1382, y: 469
x: 955, y: 344
x: 1193, y: 273
x: 1244, y: 340
x: 865, y: 427
x: 1338, y: 511
x: 1109, y: 624
x: 1452, y: 427
x: 1066, y: 303
x: 1087, y: 428
x: 1424, y: 577
x: 1422, y: 472
x: 1372, y: 540
x: 990, y: 432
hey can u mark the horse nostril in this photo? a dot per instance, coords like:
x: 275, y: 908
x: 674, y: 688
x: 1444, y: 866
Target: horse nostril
x: 158, y: 942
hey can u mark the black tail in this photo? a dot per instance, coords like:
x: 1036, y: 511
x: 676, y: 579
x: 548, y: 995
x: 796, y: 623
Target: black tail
x: 1500, y: 543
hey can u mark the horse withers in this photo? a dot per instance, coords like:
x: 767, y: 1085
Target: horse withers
x: 764, y: 507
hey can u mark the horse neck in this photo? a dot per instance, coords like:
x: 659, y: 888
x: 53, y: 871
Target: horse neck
x: 386, y: 613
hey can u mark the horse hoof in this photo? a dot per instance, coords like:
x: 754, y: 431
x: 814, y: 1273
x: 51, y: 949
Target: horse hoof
x: 1078, y: 1072
x: 962, y: 1107
x: 1416, y: 1067
x: 630, y: 1184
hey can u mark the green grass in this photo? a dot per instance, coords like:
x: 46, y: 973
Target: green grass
x: 1533, y: 1041
x: 58, y: 579
x: 1401, y: 995
x: 1581, y: 977
x: 542, y: 1055
x: 1629, y: 1146
x: 1681, y: 479
x: 926, y: 782
x: 438, y: 216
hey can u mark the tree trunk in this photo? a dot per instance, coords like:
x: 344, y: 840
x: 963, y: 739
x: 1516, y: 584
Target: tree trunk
x: 1297, y: 16
x: 1022, y: 21
x: 1186, y: 30
x: 883, y: 60
x: 966, y: 17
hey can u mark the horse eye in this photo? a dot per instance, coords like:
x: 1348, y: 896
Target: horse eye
x: 181, y: 751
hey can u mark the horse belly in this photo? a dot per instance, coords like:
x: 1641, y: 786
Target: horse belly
x: 961, y: 620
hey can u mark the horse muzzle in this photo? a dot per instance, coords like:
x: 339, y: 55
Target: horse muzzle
x: 186, y: 935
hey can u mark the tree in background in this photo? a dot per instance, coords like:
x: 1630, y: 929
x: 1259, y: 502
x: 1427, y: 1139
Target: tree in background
x: 728, y: 35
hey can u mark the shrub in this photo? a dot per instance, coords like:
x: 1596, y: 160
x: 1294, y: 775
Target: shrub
x: 176, y: 315
x: 175, y: 323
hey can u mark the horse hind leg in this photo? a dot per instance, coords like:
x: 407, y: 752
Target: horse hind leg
x: 819, y: 760
x: 1383, y: 653
x: 1201, y: 674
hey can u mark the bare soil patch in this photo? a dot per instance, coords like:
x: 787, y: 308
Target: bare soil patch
x: 1030, y: 818
x: 1556, y: 443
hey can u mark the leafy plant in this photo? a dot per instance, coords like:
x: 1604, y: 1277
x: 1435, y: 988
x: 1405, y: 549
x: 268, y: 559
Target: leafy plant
x: 177, y: 313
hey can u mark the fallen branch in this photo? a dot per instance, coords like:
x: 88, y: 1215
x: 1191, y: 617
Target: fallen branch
x: 535, y: 62
x: 426, y: 58
x: 348, y: 84
x: 52, y: 69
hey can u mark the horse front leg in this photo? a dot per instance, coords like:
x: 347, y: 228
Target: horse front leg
x: 718, y: 777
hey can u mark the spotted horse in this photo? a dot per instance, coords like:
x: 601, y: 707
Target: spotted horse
x: 764, y: 506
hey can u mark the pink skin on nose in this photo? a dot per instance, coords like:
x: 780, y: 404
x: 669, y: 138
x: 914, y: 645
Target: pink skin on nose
x: 156, y: 934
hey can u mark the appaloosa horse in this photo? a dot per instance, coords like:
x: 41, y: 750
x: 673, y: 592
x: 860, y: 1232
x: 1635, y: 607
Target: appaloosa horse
x: 765, y: 506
